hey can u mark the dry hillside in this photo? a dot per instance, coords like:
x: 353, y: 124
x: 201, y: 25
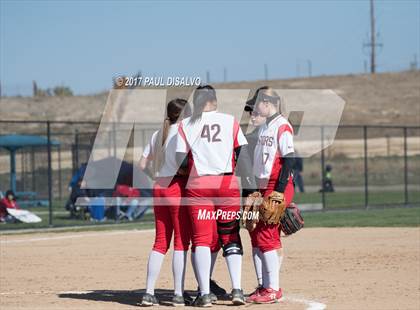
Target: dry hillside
x: 386, y: 98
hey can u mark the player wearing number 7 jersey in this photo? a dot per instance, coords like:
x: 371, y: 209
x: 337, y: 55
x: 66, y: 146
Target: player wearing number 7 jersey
x: 206, y: 144
x: 273, y: 162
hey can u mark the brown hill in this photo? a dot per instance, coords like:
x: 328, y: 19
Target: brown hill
x: 385, y: 98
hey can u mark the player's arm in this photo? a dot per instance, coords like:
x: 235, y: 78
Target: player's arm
x: 288, y: 154
x: 244, y: 169
x: 182, y: 150
x: 148, y: 152
x: 243, y: 161
x: 286, y: 169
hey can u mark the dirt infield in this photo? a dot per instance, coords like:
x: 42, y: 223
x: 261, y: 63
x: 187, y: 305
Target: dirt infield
x: 336, y: 268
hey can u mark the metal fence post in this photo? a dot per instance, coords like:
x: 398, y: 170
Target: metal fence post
x: 60, y: 188
x: 405, y: 168
x: 366, y: 166
x: 76, y: 147
x: 33, y: 187
x: 50, y: 221
x: 22, y: 171
x: 322, y: 168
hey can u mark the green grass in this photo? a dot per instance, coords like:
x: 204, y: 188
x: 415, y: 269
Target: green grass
x: 357, y: 199
x: 335, y: 202
x: 391, y: 217
x: 61, y: 219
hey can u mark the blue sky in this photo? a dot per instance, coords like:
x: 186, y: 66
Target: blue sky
x: 84, y: 44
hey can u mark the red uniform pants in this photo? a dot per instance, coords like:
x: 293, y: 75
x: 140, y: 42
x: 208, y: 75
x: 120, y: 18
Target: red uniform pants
x: 170, y: 215
x: 206, y: 195
x: 267, y: 237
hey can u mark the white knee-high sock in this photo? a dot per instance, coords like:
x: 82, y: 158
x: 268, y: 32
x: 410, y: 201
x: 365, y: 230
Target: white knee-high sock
x: 271, y: 263
x: 193, y: 264
x: 179, y: 261
x: 213, y: 262
x: 153, y: 268
x: 280, y: 263
x: 256, y: 256
x: 234, y: 263
x: 265, y: 275
x: 202, y: 260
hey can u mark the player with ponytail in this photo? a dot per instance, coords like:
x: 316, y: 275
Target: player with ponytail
x: 171, y: 217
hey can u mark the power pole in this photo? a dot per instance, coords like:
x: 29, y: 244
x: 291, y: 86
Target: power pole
x: 34, y: 89
x: 413, y: 64
x: 208, y: 77
x: 372, y: 37
x: 309, y: 68
x: 224, y: 74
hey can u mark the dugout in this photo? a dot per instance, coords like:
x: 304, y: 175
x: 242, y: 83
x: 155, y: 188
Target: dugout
x: 14, y: 142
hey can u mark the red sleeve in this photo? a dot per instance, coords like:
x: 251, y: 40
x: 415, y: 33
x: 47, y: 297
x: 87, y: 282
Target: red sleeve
x: 235, y: 134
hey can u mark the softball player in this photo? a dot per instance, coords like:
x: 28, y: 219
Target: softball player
x: 206, y: 144
x: 170, y: 215
x: 215, y: 290
x: 257, y: 121
x: 273, y: 162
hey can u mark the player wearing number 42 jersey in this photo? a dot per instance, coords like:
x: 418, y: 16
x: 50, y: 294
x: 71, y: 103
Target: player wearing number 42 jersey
x: 207, y: 145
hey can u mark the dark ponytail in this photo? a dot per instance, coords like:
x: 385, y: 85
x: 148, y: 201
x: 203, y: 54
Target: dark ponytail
x: 176, y: 109
x: 202, y: 95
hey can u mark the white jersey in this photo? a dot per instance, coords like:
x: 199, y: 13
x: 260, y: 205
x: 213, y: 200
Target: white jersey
x: 275, y: 140
x: 169, y: 167
x: 210, y: 142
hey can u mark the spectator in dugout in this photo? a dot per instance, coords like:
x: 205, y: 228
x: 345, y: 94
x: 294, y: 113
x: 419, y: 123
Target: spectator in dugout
x: 297, y: 172
x: 7, y: 202
x: 128, y: 197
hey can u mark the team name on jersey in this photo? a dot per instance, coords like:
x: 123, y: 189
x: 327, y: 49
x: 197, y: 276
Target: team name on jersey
x: 266, y: 140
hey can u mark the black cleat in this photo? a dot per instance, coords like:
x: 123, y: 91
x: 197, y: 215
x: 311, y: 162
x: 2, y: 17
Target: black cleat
x: 188, y: 300
x: 202, y: 301
x: 149, y: 300
x: 238, y: 298
x: 216, y: 289
x: 178, y: 301
x: 213, y: 298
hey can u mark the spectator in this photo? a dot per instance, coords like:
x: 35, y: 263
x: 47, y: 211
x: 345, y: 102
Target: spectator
x: 7, y: 202
x: 297, y: 173
x: 134, y: 210
x: 328, y: 183
x: 75, y: 192
x: 78, y: 176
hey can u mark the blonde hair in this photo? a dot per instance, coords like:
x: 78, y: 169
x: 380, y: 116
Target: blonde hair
x: 269, y: 95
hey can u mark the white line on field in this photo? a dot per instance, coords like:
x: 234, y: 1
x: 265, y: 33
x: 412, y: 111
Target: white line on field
x: 72, y: 236
x: 310, y: 304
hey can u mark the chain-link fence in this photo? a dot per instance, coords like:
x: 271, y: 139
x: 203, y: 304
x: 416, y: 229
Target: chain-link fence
x: 365, y: 166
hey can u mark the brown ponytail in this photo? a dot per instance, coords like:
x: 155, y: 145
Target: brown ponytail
x: 176, y: 109
x: 202, y: 95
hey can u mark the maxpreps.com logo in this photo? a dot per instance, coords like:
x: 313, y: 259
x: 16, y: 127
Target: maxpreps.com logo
x: 223, y: 215
x: 129, y: 111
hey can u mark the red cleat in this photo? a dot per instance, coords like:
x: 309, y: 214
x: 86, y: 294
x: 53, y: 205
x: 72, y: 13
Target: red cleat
x: 268, y: 296
x: 254, y: 294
